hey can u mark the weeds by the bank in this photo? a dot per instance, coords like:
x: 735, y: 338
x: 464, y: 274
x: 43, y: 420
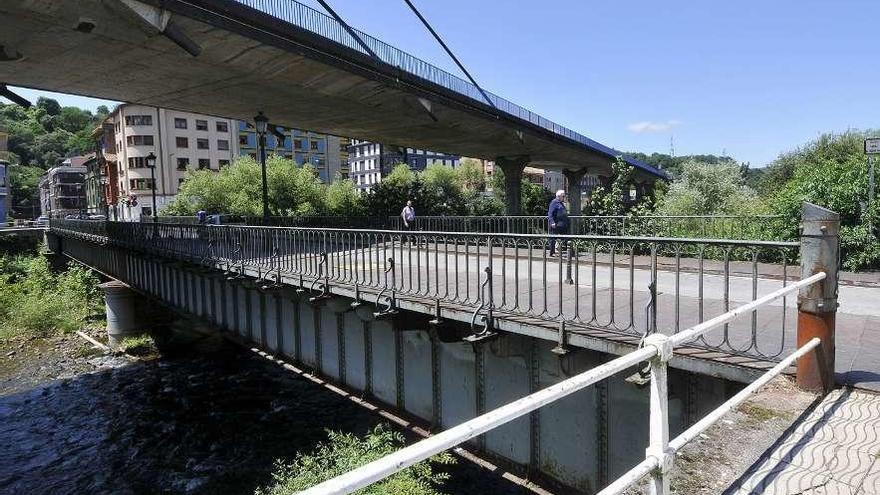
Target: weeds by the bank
x: 140, y: 345
x: 35, y: 301
x: 343, y: 452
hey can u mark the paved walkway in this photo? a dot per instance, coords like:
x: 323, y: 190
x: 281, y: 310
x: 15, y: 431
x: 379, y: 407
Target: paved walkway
x: 834, y: 450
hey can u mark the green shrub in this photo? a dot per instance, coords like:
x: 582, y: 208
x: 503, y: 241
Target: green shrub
x: 36, y: 301
x: 343, y: 452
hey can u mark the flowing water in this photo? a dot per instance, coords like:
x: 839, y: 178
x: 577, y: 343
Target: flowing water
x: 208, y: 418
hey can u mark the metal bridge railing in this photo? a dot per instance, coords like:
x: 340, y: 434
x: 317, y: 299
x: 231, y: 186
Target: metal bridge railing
x: 660, y: 452
x: 758, y: 227
x: 323, y: 25
x: 629, y: 286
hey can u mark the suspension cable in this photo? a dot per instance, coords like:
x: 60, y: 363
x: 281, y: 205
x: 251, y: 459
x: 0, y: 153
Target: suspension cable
x: 448, y: 51
x: 348, y: 28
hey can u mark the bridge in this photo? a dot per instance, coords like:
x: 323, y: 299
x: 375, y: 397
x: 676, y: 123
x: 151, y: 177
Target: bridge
x: 235, y: 57
x: 445, y: 327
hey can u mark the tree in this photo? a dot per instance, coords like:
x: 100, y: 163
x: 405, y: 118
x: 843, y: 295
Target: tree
x: 471, y: 175
x: 48, y: 105
x: 237, y: 189
x: 709, y: 189
x: 613, y: 199
x: 832, y: 172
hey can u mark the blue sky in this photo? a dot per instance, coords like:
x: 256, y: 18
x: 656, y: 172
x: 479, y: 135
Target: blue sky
x: 749, y: 78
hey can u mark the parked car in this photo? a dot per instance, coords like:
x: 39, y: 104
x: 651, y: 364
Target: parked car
x: 97, y: 217
x: 42, y: 221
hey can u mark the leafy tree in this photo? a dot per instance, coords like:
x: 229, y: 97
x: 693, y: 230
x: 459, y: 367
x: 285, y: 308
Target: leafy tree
x: 237, y: 189
x: 709, y: 189
x: 471, y: 175
x: 613, y: 199
x: 831, y: 172
x: 24, y: 182
x: 48, y: 105
x: 342, y: 199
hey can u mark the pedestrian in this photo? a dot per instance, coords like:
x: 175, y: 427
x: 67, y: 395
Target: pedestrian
x: 409, y: 216
x: 557, y: 219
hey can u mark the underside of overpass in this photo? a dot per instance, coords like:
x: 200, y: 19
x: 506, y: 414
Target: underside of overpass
x: 249, y: 61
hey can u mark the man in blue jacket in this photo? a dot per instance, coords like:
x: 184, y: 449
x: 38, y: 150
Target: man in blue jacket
x: 557, y: 219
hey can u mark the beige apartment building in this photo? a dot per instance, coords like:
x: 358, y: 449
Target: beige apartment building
x: 180, y: 140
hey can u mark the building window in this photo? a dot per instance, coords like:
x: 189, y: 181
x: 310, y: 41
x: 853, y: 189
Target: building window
x: 223, y: 145
x: 222, y: 126
x: 137, y: 162
x: 139, y: 140
x: 314, y: 146
x: 224, y: 163
x: 182, y: 142
x: 146, y: 211
x: 179, y: 123
x: 182, y: 163
x: 132, y: 120
x: 201, y: 125
x: 298, y: 144
x: 204, y: 163
x: 140, y: 184
x: 243, y: 140
x: 202, y: 144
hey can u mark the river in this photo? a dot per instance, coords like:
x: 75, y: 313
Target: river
x: 206, y: 418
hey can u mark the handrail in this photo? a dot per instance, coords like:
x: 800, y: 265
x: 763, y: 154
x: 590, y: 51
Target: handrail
x: 658, y: 348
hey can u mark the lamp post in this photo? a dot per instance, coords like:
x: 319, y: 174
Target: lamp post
x: 151, y: 164
x: 261, y: 122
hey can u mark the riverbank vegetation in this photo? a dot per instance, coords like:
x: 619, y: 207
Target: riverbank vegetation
x: 37, y: 302
x: 343, y: 452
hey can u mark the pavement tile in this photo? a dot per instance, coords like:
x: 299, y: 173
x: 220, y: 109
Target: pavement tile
x: 780, y: 478
x: 871, y: 483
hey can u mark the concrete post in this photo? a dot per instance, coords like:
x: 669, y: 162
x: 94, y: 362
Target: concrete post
x: 658, y: 443
x: 817, y: 303
x: 513, y: 173
x: 121, y: 307
x: 573, y: 180
x: 53, y: 242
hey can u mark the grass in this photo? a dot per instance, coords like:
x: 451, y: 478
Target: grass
x: 141, y: 345
x: 758, y: 413
x: 343, y: 452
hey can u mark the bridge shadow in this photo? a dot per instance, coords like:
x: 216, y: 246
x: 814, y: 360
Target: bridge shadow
x: 773, y: 468
x: 213, y: 418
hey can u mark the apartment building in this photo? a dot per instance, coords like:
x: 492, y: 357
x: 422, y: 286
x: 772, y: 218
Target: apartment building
x: 328, y: 154
x: 62, y: 189
x: 102, y: 174
x: 368, y: 162
x: 179, y: 140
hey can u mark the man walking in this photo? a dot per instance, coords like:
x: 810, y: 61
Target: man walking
x: 557, y: 219
x: 408, y: 215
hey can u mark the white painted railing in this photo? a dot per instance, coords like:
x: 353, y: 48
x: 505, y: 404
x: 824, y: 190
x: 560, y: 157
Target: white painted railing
x: 660, y: 454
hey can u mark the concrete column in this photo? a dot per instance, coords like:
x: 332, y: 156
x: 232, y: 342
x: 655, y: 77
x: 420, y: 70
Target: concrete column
x: 513, y: 173
x: 121, y: 307
x: 573, y: 180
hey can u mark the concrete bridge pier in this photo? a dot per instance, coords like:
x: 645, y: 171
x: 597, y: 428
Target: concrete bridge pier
x: 513, y: 167
x: 121, y: 304
x: 573, y: 180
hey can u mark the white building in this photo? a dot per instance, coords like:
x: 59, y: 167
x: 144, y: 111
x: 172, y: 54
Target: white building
x: 180, y: 141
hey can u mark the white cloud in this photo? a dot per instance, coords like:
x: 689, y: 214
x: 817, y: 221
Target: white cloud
x: 648, y: 126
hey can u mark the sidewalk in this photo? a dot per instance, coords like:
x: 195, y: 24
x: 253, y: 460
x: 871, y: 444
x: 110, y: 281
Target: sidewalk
x: 833, y: 450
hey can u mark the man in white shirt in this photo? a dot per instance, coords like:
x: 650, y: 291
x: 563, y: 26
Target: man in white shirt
x: 408, y: 215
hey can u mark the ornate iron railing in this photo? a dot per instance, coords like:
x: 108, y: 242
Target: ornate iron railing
x: 630, y: 286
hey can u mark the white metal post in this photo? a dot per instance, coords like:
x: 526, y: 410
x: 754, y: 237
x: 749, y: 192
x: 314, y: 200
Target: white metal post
x: 658, y: 445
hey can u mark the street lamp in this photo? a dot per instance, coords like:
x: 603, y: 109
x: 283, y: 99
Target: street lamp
x: 151, y: 164
x: 261, y: 122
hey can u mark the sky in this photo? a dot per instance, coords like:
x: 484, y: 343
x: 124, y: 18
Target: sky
x: 751, y: 78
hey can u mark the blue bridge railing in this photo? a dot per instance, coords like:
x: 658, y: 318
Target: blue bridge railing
x: 312, y: 20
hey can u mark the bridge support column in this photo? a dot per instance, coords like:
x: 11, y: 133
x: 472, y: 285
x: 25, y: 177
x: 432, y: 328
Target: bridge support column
x: 817, y: 304
x: 573, y: 180
x: 513, y: 174
x: 121, y: 306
